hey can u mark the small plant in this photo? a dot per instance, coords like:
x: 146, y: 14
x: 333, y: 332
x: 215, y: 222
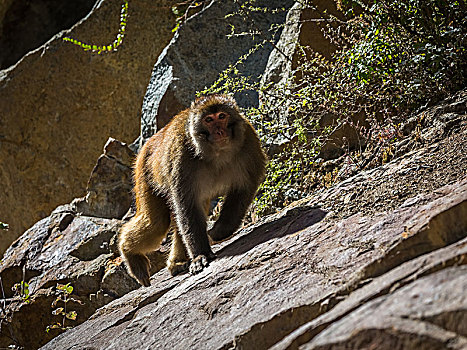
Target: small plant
x: 64, y: 296
x: 106, y: 48
x: 184, y: 9
x: 21, y: 290
x: 3, y: 226
x: 21, y: 295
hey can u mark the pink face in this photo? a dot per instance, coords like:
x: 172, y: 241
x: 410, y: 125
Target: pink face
x: 216, y: 124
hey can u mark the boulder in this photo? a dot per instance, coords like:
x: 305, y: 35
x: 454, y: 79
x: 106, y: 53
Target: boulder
x: 60, y: 104
x: 26, y: 25
x: 304, y: 24
x: 45, y: 256
x: 200, y: 50
x: 304, y: 28
x: 426, y: 310
x: 109, y: 190
x: 76, y: 244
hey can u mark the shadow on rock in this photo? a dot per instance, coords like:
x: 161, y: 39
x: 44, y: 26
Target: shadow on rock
x: 293, y: 221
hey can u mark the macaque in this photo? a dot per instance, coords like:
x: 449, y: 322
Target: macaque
x: 205, y: 151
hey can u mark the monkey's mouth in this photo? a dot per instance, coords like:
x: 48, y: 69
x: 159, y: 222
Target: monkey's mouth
x: 219, y: 137
x: 220, y: 140
x: 216, y: 138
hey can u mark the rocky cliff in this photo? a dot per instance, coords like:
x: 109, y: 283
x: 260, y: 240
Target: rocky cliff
x: 60, y: 104
x: 376, y: 261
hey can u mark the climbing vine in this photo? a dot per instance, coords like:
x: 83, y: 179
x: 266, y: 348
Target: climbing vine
x: 106, y: 48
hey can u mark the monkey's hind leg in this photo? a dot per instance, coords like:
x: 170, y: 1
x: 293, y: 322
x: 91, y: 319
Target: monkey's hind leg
x: 141, y: 235
x: 178, y: 261
x: 139, y: 267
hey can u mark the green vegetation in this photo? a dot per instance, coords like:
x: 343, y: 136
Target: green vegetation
x: 64, y: 297
x: 391, y: 59
x: 21, y: 295
x: 3, y: 226
x: 115, y: 44
x: 185, y: 9
x: 21, y: 290
x: 409, y: 52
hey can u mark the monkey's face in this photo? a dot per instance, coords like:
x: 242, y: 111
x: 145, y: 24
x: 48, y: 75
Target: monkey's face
x: 216, y: 133
x: 216, y: 128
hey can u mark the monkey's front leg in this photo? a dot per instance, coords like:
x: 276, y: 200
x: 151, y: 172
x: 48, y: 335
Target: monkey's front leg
x: 232, y: 213
x: 191, y: 222
x: 177, y: 261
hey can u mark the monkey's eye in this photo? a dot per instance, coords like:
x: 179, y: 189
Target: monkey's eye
x: 208, y: 119
x: 222, y: 116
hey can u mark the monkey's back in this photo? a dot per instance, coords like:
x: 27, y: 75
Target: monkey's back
x: 158, y: 159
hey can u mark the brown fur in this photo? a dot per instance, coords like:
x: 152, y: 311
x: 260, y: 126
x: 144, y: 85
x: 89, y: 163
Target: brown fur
x: 178, y: 171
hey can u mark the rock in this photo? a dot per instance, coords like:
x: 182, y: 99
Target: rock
x: 280, y: 73
x: 279, y: 70
x: 402, y: 279
x: 109, y: 190
x: 199, y: 51
x: 279, y: 66
x: 62, y: 248
x: 43, y: 255
x: 285, y: 271
x: 117, y: 281
x: 429, y: 313
x: 60, y: 104
x: 4, y: 6
x: 25, y: 26
x: 301, y: 29
x: 434, y: 123
x: 343, y: 138
x: 72, y: 247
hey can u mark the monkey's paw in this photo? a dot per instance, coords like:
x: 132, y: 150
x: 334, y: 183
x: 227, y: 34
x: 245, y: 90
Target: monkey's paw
x: 178, y: 267
x: 138, y: 265
x: 199, y: 263
x: 216, y: 236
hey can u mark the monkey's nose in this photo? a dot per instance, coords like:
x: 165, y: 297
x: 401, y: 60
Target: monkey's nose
x: 221, y: 132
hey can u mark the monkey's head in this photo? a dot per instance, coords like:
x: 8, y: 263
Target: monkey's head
x: 215, y: 126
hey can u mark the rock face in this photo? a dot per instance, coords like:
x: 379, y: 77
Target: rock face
x: 376, y: 261
x: 25, y: 26
x: 201, y: 50
x: 74, y: 246
x: 298, y: 267
x: 344, y: 269
x: 298, y: 278
x: 428, y: 313
x: 60, y: 104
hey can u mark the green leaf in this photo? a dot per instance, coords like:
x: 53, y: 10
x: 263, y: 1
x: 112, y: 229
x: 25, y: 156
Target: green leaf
x: 58, y: 311
x: 71, y: 315
x: 69, y: 289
